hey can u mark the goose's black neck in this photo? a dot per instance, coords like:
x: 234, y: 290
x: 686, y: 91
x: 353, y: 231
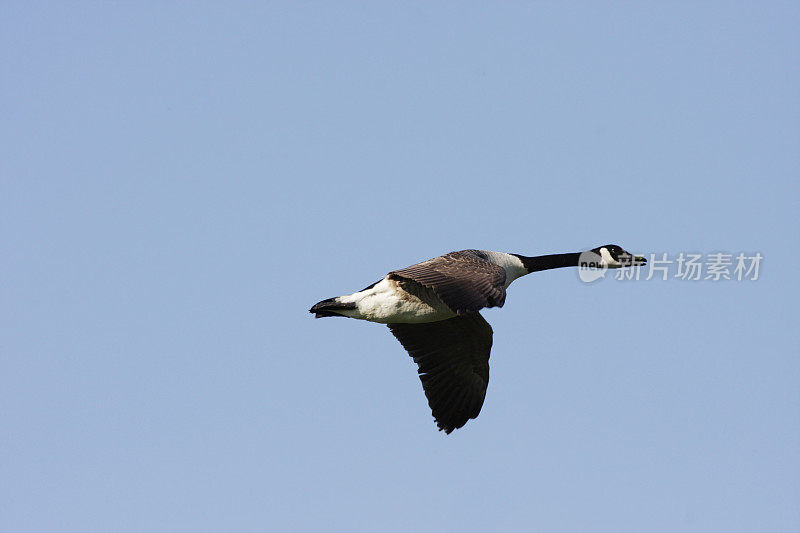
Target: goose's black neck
x: 547, y: 262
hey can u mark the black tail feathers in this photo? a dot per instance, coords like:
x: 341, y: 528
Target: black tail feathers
x: 329, y: 307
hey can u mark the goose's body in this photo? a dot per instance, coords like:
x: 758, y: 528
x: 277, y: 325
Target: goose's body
x: 432, y: 309
x: 409, y: 296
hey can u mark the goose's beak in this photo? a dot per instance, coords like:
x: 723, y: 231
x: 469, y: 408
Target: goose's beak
x: 639, y: 260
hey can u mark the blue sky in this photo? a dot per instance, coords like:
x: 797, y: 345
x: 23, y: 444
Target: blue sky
x: 181, y: 182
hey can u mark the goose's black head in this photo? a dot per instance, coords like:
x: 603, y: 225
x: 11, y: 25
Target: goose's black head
x: 613, y: 256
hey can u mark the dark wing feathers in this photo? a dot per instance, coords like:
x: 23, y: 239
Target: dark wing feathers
x: 453, y: 360
x: 465, y: 281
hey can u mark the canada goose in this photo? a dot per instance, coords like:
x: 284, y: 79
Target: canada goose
x: 432, y: 309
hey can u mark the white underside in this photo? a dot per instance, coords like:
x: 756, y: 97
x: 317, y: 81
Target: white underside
x: 387, y: 303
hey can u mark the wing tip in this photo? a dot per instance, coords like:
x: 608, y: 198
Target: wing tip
x: 449, y: 428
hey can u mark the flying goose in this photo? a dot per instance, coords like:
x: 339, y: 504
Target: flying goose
x: 432, y: 309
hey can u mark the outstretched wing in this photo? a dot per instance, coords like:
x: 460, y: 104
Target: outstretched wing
x: 465, y: 281
x: 453, y: 360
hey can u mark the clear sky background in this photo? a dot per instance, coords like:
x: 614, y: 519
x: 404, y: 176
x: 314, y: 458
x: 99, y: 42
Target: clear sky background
x: 181, y: 182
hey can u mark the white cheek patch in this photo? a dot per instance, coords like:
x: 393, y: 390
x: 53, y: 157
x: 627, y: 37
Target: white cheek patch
x: 610, y: 262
